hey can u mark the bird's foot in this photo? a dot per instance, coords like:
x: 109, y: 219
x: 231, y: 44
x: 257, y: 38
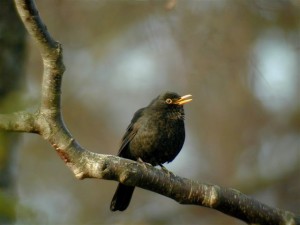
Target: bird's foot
x: 166, y: 170
x: 145, y: 164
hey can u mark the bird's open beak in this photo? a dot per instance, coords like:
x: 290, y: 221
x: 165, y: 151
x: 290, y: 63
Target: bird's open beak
x: 184, y: 99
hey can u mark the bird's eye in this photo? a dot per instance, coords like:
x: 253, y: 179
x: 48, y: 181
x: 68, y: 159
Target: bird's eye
x: 168, y: 101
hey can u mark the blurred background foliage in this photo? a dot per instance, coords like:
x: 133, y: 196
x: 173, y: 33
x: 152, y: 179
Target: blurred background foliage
x: 239, y: 59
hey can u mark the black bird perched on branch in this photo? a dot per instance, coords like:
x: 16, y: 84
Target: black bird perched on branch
x: 155, y: 135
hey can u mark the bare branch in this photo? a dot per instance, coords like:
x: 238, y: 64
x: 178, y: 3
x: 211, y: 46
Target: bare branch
x: 35, y: 27
x: 51, y: 54
x: 18, y: 122
x: 48, y: 122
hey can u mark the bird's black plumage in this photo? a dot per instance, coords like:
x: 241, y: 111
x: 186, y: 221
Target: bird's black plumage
x: 155, y: 135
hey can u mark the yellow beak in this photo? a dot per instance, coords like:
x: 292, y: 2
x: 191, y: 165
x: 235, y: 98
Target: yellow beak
x: 184, y: 99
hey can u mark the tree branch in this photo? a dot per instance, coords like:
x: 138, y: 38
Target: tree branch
x: 48, y: 122
x: 51, y: 52
x: 18, y: 122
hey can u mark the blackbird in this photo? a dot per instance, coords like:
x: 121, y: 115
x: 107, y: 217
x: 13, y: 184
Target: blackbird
x: 155, y: 135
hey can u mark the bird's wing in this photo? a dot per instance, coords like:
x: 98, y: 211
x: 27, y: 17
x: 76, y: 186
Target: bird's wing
x: 131, y: 131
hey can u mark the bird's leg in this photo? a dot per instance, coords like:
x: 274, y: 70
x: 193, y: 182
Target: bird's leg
x: 144, y: 163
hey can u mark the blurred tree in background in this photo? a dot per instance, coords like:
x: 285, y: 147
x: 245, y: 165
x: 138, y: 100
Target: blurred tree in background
x: 12, y: 60
x: 240, y: 59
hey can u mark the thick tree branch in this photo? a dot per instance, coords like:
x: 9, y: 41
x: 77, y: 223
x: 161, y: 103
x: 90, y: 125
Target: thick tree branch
x: 51, y: 54
x: 48, y: 122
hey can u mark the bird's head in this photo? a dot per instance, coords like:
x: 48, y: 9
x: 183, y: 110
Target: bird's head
x: 170, y: 100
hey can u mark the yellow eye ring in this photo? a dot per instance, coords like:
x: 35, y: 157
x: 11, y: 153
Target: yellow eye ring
x: 169, y: 101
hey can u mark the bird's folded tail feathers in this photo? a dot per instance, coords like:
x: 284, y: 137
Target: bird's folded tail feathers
x: 121, y: 198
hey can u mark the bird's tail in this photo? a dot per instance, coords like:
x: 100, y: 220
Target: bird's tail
x: 122, y: 197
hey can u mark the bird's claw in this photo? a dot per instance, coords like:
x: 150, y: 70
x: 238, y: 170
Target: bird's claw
x: 166, y: 170
x: 145, y: 164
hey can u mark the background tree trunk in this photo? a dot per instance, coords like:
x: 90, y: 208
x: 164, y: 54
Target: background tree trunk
x: 12, y: 55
